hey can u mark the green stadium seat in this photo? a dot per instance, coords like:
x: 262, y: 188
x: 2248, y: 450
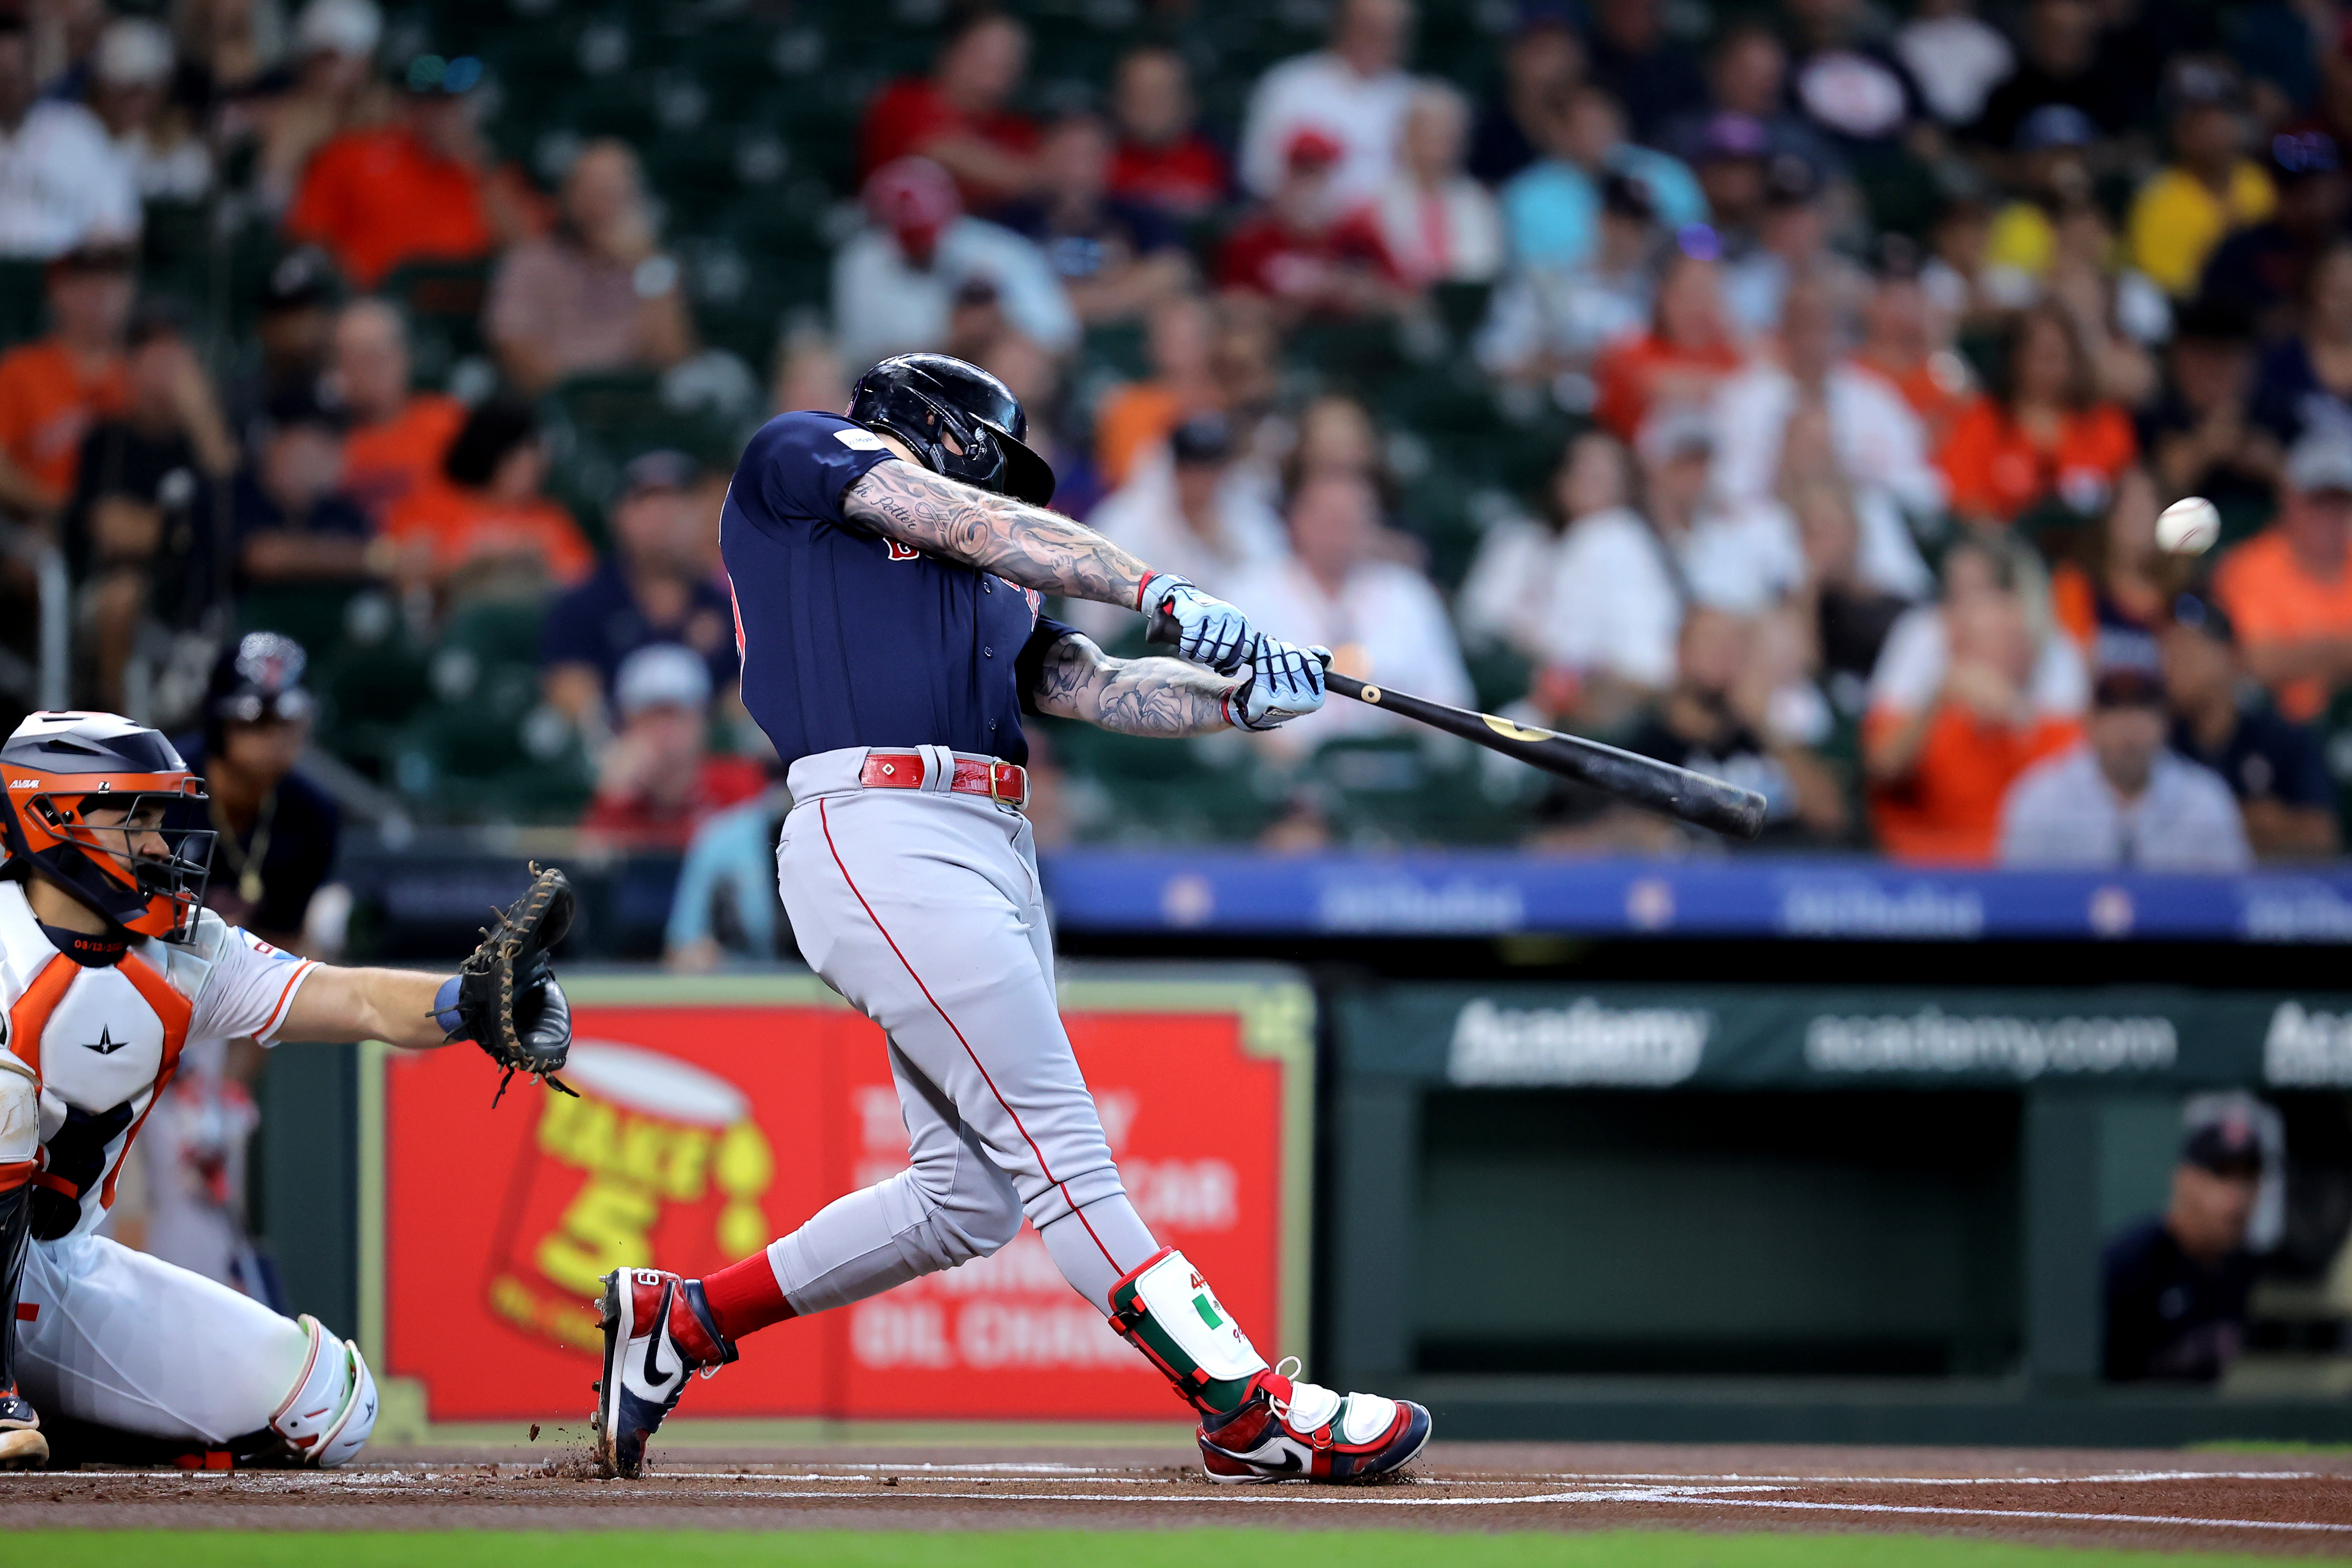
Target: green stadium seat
x: 23, y: 302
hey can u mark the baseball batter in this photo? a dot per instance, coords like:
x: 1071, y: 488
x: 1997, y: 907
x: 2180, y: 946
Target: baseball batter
x: 110, y: 969
x: 887, y: 570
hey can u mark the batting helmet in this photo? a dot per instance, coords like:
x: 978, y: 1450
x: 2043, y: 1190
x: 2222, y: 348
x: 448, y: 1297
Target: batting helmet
x: 62, y: 767
x: 927, y: 400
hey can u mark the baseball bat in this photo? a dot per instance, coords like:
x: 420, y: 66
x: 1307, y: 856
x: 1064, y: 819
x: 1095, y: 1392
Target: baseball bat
x: 1692, y: 797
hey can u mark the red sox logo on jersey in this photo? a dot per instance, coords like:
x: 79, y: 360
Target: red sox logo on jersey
x: 903, y: 552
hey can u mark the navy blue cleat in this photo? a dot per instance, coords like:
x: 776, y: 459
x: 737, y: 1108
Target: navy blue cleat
x: 658, y: 1329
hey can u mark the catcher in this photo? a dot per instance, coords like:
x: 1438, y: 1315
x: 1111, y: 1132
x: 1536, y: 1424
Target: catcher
x: 110, y: 967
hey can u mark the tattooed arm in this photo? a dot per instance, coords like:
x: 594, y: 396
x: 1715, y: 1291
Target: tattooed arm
x: 1130, y: 696
x: 1023, y: 544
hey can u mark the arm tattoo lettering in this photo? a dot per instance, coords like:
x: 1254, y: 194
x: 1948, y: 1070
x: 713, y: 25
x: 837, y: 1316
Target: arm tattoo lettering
x: 1130, y: 696
x: 1023, y: 544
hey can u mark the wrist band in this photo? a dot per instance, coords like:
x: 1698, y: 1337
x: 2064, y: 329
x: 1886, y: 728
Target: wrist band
x: 445, y: 1006
x: 1144, y: 587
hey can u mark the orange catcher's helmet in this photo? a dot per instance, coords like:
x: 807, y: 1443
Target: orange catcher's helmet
x: 143, y: 869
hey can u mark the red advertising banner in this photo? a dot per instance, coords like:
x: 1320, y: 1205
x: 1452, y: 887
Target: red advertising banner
x: 714, y: 1116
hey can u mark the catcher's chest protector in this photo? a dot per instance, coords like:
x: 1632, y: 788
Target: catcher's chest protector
x: 103, y: 1040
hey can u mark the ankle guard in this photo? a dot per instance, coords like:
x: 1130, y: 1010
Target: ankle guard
x: 326, y: 1420
x: 1166, y: 1310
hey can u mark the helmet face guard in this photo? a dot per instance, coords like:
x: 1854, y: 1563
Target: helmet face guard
x: 960, y: 420
x: 56, y: 781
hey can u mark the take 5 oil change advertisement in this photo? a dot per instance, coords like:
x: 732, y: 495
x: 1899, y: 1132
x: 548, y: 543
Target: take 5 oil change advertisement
x: 715, y: 1115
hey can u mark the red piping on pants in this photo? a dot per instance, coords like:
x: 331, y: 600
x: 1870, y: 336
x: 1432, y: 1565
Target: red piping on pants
x: 826, y: 823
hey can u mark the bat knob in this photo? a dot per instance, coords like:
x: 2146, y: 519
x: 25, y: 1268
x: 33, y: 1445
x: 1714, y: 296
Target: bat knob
x: 1163, y: 628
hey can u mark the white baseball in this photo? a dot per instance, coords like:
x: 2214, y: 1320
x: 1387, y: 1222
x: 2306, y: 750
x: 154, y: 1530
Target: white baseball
x: 2188, y: 526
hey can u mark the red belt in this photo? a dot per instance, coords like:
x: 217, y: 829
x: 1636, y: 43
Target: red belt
x: 1003, y: 783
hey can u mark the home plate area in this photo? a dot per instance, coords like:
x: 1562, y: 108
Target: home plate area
x: 2287, y: 1504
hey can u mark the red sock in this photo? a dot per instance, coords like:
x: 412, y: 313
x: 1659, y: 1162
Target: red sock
x: 745, y: 1296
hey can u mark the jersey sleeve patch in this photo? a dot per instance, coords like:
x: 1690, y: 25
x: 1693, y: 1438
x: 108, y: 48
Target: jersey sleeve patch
x: 800, y: 463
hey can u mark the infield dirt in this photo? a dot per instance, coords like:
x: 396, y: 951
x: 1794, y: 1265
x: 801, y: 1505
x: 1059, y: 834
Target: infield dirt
x: 2273, y: 1504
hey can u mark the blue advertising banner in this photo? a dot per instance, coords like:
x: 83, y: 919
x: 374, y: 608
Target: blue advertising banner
x: 1506, y: 892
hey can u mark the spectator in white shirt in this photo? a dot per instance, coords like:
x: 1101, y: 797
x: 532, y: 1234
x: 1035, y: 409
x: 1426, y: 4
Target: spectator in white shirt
x: 895, y: 283
x: 1818, y: 414
x: 131, y: 83
x: 61, y: 182
x: 1188, y: 511
x: 1618, y: 591
x: 2120, y: 798
x: 1546, y: 323
x: 1355, y: 92
x: 1383, y: 620
x: 1519, y: 592
x: 1436, y: 223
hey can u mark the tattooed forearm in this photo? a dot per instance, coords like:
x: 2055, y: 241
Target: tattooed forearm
x: 1131, y: 696
x: 1021, y: 544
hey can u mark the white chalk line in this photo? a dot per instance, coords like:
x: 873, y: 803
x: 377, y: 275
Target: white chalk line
x: 1695, y: 1498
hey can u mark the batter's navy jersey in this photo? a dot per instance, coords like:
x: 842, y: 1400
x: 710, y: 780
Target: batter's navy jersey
x: 851, y: 639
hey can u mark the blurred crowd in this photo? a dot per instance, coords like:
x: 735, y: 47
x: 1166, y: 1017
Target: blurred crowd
x: 1867, y: 346
x: 1882, y: 340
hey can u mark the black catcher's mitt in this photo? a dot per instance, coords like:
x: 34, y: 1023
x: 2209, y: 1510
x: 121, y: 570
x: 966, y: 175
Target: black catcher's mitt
x: 507, y: 1001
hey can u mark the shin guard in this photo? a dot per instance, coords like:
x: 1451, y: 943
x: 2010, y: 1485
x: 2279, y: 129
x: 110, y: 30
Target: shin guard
x: 22, y: 1446
x: 1166, y: 1310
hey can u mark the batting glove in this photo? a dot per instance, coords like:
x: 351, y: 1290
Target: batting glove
x: 1282, y: 681
x: 1210, y: 631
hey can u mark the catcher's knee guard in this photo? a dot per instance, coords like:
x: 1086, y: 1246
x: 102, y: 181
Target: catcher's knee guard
x: 325, y: 1419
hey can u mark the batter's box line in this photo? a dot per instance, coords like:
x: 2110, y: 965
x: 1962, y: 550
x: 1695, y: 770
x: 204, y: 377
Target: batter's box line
x: 1668, y: 1495
x: 1600, y: 1478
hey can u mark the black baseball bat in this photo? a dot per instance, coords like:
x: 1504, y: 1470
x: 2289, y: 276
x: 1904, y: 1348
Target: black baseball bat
x: 1692, y: 797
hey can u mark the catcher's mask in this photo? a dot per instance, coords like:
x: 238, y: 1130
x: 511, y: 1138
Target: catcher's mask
x: 138, y: 867
x: 930, y: 400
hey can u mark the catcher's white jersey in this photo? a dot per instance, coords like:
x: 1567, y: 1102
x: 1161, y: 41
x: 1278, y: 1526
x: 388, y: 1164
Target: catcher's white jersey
x: 104, y: 1040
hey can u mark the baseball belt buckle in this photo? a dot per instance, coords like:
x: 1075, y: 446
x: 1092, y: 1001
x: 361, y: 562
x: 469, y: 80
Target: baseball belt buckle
x: 1003, y: 774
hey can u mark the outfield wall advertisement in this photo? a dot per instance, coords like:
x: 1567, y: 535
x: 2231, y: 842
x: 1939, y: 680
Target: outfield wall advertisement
x: 715, y: 1115
x: 1735, y: 1036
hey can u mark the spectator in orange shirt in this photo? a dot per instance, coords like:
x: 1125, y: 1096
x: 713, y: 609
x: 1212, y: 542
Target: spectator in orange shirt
x: 1905, y: 341
x: 419, y: 189
x: 1688, y: 350
x: 957, y: 117
x: 2289, y: 588
x: 53, y: 390
x: 1181, y: 338
x: 1939, y: 769
x: 397, y: 437
x: 490, y: 524
x: 2042, y: 436
x: 657, y: 781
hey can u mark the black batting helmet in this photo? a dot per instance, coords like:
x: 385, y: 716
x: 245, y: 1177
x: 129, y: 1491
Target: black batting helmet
x: 927, y: 399
x: 63, y: 766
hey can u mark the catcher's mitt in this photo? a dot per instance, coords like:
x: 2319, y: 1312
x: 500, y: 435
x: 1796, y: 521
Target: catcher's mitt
x: 507, y: 1001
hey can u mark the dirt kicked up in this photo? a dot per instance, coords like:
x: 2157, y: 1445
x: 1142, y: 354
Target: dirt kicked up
x: 2236, y: 1503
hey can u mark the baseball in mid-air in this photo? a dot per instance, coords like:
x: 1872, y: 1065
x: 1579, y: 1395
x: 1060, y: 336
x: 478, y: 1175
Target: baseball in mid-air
x: 2188, y: 526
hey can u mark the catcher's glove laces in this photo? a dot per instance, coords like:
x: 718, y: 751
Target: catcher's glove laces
x: 507, y: 999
